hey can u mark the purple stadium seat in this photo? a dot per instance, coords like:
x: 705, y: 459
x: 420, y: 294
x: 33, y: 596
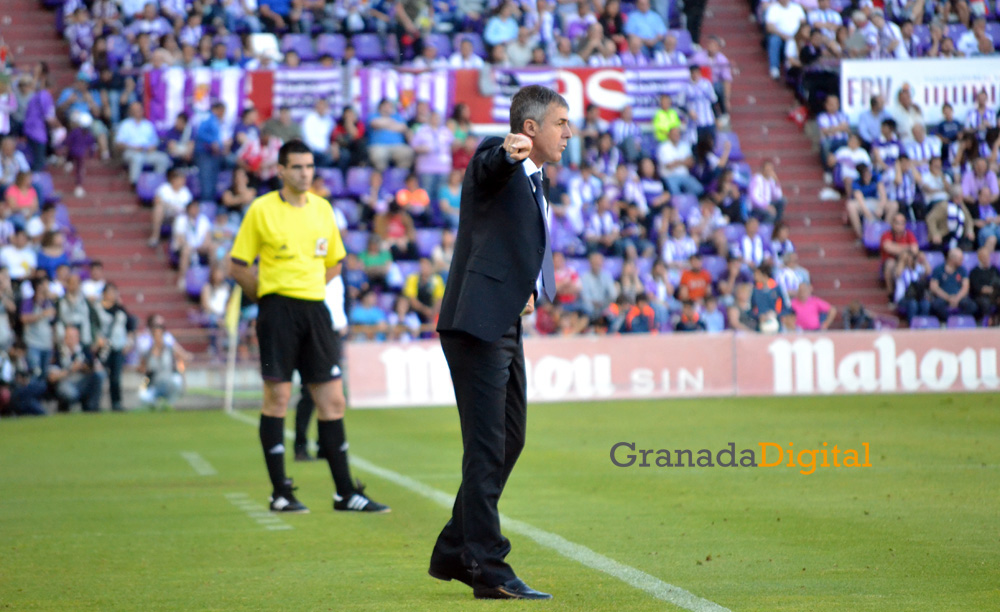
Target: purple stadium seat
x: 334, y: 181
x: 368, y: 47
x: 873, y: 234
x: 331, y: 44
x: 358, y: 181
x: 613, y: 265
x: 196, y: 278
x: 995, y: 259
x: 684, y: 44
x: 683, y: 203
x: 301, y: 44
x: 923, y: 35
x: 885, y: 322
x: 715, y: 265
x: 970, y: 261
x: 224, y: 182
x: 580, y: 264
x: 961, y: 322
x: 233, y: 44
x: 351, y: 210
x: 118, y: 48
x: 407, y: 268
x: 395, y: 179
x: 441, y: 42
x: 356, y: 241
x: 193, y: 184
x: 427, y: 239
x: 645, y: 266
x: 955, y: 31
x: 735, y: 152
x: 919, y: 230
x: 934, y: 259
x: 923, y: 322
x: 147, y: 185
x: 741, y: 174
x: 734, y: 232
x: 386, y: 300
x: 209, y: 208
x: 62, y: 216
x: 478, y: 46
x: 993, y: 30
x: 42, y: 181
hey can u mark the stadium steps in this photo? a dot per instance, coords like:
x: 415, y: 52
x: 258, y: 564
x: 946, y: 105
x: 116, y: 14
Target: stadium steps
x: 112, y: 225
x: 841, y: 269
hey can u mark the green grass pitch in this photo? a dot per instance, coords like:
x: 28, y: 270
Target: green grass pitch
x: 105, y: 512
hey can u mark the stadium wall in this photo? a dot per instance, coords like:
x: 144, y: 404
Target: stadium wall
x: 696, y: 365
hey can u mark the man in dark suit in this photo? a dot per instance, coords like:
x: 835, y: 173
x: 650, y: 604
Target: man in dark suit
x: 502, y: 263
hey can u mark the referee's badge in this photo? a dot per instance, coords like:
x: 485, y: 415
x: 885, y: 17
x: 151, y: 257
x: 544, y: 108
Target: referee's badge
x: 322, y: 244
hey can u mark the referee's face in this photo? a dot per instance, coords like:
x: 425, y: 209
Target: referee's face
x: 297, y: 175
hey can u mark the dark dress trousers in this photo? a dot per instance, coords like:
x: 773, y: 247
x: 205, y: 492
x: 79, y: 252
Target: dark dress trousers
x: 498, y: 255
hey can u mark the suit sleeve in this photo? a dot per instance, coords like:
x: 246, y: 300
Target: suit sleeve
x: 491, y: 166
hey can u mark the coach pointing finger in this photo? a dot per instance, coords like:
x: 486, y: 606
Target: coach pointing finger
x: 502, y: 262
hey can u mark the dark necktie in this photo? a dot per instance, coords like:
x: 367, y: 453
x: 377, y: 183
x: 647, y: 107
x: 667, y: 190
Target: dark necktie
x: 548, y: 271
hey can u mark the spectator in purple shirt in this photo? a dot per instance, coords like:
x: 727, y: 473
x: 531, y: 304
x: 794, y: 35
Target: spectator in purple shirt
x: 39, y: 118
x: 977, y: 177
x: 432, y: 143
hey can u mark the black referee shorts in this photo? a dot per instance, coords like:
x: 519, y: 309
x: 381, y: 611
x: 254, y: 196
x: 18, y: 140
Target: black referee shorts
x: 296, y: 334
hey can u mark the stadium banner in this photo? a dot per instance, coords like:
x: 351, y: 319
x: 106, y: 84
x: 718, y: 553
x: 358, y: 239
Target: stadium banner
x: 635, y: 366
x: 610, y: 89
x: 932, y: 81
x: 389, y: 374
x: 171, y: 91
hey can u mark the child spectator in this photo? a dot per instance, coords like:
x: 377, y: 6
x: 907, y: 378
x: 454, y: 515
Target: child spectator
x: 712, y: 317
x: 689, y: 320
x: 171, y: 199
x: 79, y: 145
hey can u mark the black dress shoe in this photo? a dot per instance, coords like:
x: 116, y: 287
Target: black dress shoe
x: 512, y: 589
x: 463, y: 575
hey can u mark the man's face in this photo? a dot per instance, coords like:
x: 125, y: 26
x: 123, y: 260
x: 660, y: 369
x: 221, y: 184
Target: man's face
x: 72, y: 337
x: 466, y: 49
x: 7, y: 147
x: 551, y: 137
x: 899, y: 224
x: 675, y: 135
x: 984, y: 258
x: 298, y: 173
x: 73, y: 284
x: 642, y: 5
x: 135, y: 111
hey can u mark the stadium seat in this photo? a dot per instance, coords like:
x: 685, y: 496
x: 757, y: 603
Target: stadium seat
x: 924, y: 322
x: 612, y: 265
x: 683, y: 203
x: 196, y: 278
x: 919, y: 230
x: 427, y: 239
x: 358, y: 181
x: 193, y: 184
x: 970, y: 261
x: 386, y: 300
x: 351, y: 210
x: 147, y: 185
x: 42, y: 181
x: 333, y: 178
x: 62, y: 217
x: 441, y: 42
x: 394, y: 179
x: 209, y: 208
x: 715, y: 265
x: 407, y: 268
x: 923, y: 35
x: 645, y: 265
x: 684, y: 43
x: 368, y: 47
x: 734, y: 232
x: 356, y: 241
x: 993, y: 30
x: 301, y: 44
x: 961, y: 322
x: 332, y: 45
x: 934, y: 259
x: 233, y: 45
x: 873, y: 234
x: 735, y: 152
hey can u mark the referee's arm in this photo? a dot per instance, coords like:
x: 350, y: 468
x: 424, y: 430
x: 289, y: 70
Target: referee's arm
x: 246, y: 276
x: 331, y: 273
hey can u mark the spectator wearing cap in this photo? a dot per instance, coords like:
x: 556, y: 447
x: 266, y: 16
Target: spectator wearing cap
x: 138, y: 142
x: 949, y: 287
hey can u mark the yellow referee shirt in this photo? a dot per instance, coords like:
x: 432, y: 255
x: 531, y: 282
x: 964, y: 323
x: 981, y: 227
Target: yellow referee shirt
x: 296, y: 245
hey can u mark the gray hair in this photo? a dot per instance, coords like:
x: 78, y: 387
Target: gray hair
x: 532, y: 102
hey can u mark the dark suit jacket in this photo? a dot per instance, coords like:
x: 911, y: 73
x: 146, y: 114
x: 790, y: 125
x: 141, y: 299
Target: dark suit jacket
x: 498, y: 250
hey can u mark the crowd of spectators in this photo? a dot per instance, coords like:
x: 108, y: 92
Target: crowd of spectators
x: 920, y: 193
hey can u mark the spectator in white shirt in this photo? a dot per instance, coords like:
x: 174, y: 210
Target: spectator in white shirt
x: 519, y: 50
x: 19, y: 256
x: 921, y: 149
x: 782, y: 20
x: 767, y: 203
x: 906, y: 113
x: 847, y: 159
x: 608, y: 56
x: 317, y: 125
x: 429, y: 60
x: 465, y: 57
x: 976, y: 41
x: 139, y: 144
x: 190, y: 240
x: 564, y: 56
x: 674, y: 158
x: 170, y: 200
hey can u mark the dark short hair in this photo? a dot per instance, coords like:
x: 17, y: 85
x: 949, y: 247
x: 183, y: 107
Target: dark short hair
x: 292, y: 147
x: 532, y: 102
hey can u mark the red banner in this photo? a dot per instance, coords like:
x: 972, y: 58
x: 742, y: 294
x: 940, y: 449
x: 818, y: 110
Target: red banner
x: 686, y: 365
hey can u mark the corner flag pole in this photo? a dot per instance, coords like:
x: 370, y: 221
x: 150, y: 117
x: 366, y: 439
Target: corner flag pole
x: 233, y: 331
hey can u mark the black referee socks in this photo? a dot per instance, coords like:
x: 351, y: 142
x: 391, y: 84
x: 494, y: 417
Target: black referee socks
x: 333, y: 441
x: 272, y: 439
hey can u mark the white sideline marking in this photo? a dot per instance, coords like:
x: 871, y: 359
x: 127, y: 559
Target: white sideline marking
x: 260, y: 514
x: 576, y: 552
x: 198, y: 463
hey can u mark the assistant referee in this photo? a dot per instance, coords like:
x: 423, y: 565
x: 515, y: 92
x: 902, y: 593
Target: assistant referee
x: 295, y: 236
